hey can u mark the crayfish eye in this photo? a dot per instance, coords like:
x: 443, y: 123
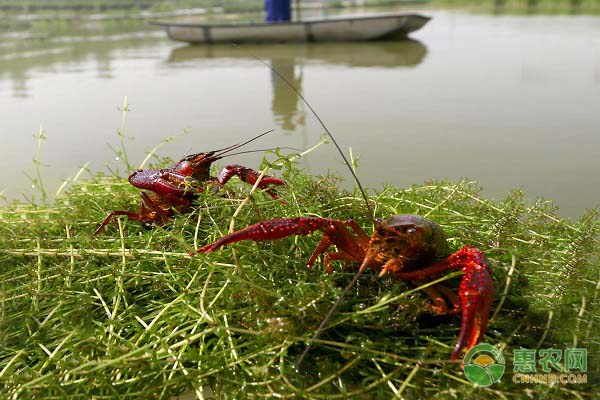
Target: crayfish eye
x: 185, y: 168
x: 406, y: 230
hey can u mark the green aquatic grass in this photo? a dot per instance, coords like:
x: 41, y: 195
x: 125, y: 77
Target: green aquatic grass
x: 130, y: 315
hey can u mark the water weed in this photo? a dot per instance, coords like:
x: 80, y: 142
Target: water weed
x: 130, y: 314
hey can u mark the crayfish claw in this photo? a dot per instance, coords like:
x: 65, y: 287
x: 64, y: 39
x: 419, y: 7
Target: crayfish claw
x: 476, y: 294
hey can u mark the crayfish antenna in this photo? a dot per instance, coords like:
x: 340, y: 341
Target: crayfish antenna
x: 263, y: 150
x: 337, y: 146
x: 367, y: 259
x: 219, y: 153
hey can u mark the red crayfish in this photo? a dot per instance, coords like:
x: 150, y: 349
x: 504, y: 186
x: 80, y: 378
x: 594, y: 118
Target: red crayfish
x: 410, y: 247
x: 173, y: 190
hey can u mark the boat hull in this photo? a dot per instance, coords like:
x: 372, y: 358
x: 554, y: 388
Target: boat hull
x: 327, y: 30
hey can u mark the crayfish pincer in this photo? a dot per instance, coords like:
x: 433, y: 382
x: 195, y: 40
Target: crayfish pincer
x: 174, y: 189
x: 410, y: 247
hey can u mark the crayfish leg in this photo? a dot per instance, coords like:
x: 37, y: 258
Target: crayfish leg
x: 150, y: 213
x: 362, y: 236
x: 440, y: 295
x: 324, y: 245
x: 449, y: 296
x: 112, y: 214
x: 329, y: 257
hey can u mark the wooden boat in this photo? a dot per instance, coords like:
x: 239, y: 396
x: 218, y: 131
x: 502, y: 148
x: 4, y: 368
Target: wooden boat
x: 346, y: 28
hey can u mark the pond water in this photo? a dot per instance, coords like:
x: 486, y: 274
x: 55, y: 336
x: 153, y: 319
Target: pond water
x: 510, y: 101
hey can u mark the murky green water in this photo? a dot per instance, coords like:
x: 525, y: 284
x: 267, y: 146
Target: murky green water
x: 511, y: 101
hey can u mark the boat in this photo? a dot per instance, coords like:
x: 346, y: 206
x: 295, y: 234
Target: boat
x: 343, y: 28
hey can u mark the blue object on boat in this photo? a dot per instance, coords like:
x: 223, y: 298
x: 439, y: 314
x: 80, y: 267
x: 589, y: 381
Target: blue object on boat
x: 278, y: 10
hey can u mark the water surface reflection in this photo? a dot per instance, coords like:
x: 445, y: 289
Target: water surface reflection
x: 386, y: 54
x: 511, y: 101
x: 27, y: 58
x: 290, y: 61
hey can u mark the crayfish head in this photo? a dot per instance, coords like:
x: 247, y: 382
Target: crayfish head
x: 410, y: 238
x: 197, y: 165
x: 144, y: 179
